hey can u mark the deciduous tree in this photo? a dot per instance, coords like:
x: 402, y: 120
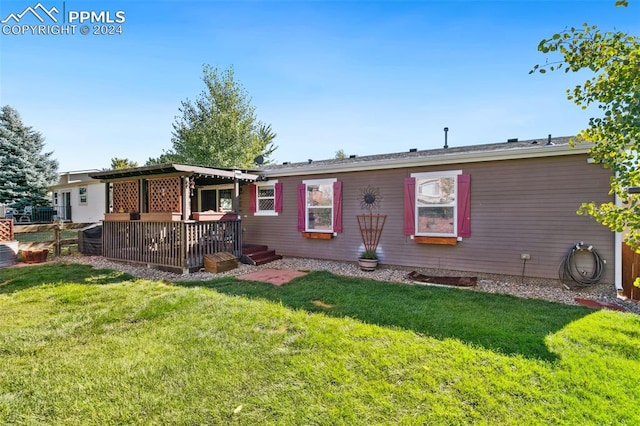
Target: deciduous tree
x: 122, y: 163
x: 613, y: 59
x: 219, y: 128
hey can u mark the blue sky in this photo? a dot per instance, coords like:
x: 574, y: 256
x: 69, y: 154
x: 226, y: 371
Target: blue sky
x: 365, y: 77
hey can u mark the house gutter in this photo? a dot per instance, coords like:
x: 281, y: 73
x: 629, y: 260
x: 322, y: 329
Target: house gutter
x: 428, y: 160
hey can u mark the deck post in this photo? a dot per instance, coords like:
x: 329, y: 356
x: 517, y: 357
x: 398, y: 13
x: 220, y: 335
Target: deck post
x: 186, y: 198
x: 107, y: 198
x: 236, y: 191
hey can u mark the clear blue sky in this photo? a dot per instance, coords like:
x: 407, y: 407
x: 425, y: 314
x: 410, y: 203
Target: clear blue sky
x: 365, y: 77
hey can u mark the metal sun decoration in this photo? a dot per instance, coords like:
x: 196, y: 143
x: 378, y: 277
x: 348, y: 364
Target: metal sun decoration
x: 370, y: 198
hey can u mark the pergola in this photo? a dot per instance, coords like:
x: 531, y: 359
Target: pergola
x: 153, y: 218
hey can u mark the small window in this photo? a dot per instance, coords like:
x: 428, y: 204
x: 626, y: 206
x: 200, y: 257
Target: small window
x: 266, y: 198
x: 225, y: 200
x: 82, y: 191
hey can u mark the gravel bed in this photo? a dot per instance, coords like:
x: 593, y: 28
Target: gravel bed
x: 536, y: 288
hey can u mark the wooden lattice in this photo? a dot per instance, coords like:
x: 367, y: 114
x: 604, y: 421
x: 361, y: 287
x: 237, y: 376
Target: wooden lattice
x: 126, y: 197
x: 165, y: 195
x: 371, y: 226
x: 6, y: 229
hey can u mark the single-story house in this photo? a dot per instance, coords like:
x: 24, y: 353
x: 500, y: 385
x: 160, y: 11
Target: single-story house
x: 78, y: 198
x: 503, y: 208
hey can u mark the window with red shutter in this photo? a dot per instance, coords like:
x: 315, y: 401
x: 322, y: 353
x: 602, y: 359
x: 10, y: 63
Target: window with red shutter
x: 437, y: 204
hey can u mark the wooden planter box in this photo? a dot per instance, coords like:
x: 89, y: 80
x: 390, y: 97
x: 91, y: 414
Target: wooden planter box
x: 318, y: 235
x: 161, y: 217
x: 220, y: 262
x: 121, y: 217
x: 35, y: 255
x: 212, y: 216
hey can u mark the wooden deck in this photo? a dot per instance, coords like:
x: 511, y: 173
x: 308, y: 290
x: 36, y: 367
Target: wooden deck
x: 178, y: 246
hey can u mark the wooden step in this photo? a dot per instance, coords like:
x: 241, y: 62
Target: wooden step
x: 248, y: 249
x: 262, y: 254
x: 268, y: 259
x: 257, y: 254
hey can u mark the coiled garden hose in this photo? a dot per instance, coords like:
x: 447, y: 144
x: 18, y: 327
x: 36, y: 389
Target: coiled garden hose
x: 571, y: 274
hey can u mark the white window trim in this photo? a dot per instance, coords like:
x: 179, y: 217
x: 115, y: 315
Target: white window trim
x: 431, y: 175
x: 329, y: 181
x: 259, y: 212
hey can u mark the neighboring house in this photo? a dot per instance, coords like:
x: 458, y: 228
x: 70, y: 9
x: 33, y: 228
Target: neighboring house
x: 476, y: 208
x: 78, y: 198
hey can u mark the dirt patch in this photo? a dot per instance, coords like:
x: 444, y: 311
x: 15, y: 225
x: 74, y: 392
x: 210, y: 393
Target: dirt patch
x: 448, y: 281
x: 276, y: 277
x: 321, y: 304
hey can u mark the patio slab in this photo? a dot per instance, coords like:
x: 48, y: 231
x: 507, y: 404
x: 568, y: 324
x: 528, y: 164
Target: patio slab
x: 276, y: 277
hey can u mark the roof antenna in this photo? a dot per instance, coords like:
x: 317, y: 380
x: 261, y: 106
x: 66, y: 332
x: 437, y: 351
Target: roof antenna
x: 446, y: 145
x: 549, y: 143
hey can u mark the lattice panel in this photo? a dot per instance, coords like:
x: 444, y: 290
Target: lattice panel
x: 165, y: 195
x: 126, y: 197
x: 6, y: 229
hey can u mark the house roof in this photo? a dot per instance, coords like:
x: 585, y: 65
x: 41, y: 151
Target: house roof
x: 74, y: 178
x: 531, y: 148
x: 182, y: 169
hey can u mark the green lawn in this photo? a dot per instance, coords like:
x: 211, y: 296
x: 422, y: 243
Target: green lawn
x: 84, y: 346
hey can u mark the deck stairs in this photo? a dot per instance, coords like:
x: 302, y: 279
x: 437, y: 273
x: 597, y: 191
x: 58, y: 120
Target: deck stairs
x: 256, y: 254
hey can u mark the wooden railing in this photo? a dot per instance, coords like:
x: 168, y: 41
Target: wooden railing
x: 51, y: 236
x: 174, y: 245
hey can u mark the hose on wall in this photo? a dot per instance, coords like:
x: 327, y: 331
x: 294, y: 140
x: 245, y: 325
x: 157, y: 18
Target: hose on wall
x: 570, y: 273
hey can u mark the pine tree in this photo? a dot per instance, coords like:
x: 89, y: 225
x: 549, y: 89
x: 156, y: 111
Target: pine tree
x: 25, y: 171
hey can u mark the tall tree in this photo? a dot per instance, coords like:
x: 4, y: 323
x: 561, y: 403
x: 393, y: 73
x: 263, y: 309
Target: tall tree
x: 220, y: 128
x: 613, y: 58
x: 122, y: 163
x: 25, y: 171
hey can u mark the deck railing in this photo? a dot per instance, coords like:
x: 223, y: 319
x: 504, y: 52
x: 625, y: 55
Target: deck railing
x: 174, y: 245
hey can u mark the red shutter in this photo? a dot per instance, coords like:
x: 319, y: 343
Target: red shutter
x: 409, y: 206
x: 337, y: 206
x: 302, y: 192
x: 278, y: 197
x: 252, y: 198
x: 464, y: 206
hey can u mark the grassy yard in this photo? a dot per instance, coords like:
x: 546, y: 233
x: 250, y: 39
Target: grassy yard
x: 84, y: 346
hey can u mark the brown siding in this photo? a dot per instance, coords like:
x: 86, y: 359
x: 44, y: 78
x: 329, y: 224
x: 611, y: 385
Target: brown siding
x: 517, y: 206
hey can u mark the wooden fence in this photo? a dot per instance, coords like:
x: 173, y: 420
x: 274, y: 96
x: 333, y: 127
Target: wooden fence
x: 50, y: 236
x: 173, y: 245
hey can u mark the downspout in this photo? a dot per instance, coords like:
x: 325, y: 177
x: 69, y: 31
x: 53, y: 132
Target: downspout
x: 617, y: 250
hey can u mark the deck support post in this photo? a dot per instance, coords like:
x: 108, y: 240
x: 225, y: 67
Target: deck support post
x: 186, y: 198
